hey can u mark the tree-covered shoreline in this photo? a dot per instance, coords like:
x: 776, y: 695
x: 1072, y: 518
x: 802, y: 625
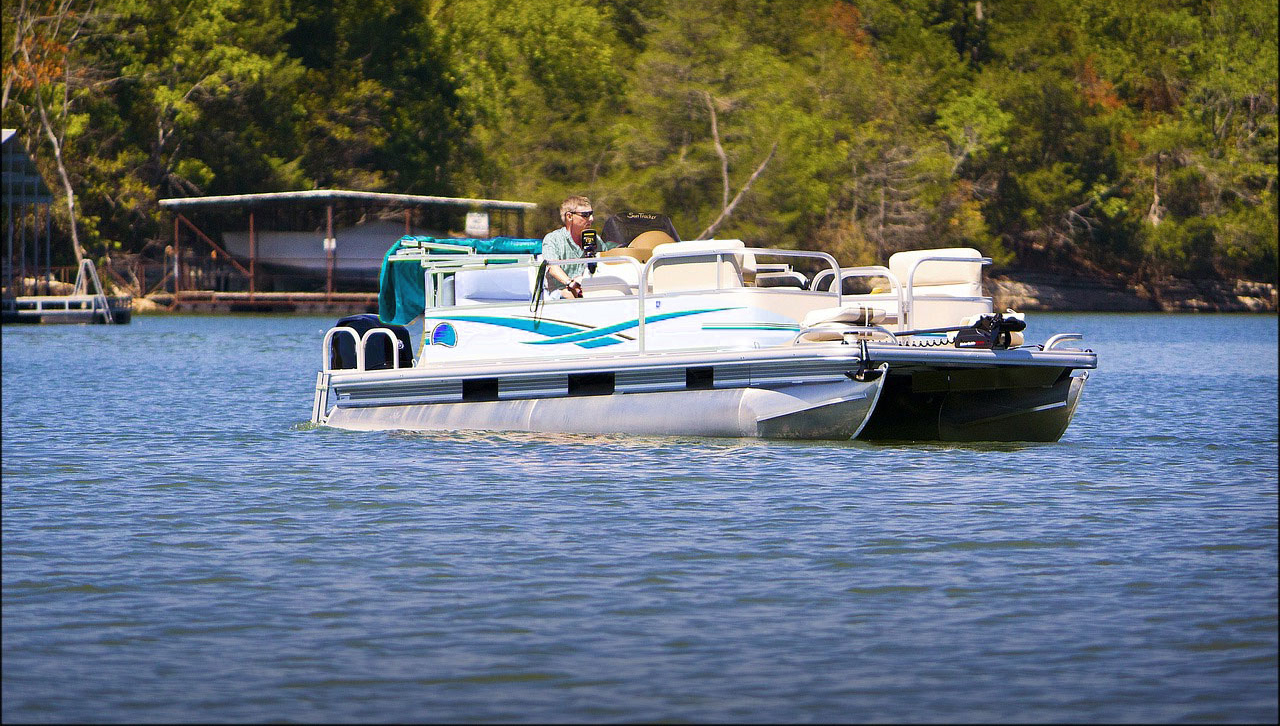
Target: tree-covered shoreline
x: 1137, y: 141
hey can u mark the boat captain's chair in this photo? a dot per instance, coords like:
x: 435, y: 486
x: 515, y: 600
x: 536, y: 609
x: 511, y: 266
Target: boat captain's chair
x: 698, y: 272
x: 941, y: 292
x: 618, y: 278
x: 641, y: 248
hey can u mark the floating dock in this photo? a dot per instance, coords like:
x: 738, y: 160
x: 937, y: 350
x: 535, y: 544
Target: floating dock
x: 67, y: 309
x: 81, y: 306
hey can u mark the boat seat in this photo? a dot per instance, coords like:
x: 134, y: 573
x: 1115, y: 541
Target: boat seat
x: 943, y: 293
x: 641, y: 256
x: 780, y: 279
x: 698, y: 272
x: 841, y: 316
x: 498, y: 284
x: 959, y: 279
x: 830, y: 324
x: 618, y: 279
x: 641, y: 248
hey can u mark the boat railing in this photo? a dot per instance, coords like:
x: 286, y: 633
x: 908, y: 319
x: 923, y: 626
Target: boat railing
x: 39, y: 303
x: 360, y: 342
x: 738, y: 254
x: 911, y: 297
x: 1053, y: 341
x: 896, y: 287
x: 905, y: 292
x: 329, y: 334
x: 396, y: 345
x: 435, y: 266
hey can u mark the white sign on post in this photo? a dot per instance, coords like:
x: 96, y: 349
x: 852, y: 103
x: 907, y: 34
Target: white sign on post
x: 477, y: 224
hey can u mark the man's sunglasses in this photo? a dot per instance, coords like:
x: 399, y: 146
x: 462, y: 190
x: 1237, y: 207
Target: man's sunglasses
x: 585, y: 215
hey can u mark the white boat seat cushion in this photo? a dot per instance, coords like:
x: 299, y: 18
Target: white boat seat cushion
x: 494, y: 285
x: 943, y: 292
x: 959, y: 279
x: 847, y: 315
x: 612, y: 280
x: 964, y: 289
x: 698, y: 272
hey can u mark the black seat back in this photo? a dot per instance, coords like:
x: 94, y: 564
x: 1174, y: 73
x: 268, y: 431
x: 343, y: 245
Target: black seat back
x: 623, y: 227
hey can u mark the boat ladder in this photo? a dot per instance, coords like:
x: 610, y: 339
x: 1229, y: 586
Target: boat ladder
x: 86, y: 274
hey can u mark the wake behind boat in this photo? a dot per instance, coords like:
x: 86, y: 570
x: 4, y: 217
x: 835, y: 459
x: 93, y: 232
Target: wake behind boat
x: 706, y: 338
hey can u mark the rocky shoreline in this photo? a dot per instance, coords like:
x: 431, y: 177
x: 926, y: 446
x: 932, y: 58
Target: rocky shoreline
x: 1044, y: 292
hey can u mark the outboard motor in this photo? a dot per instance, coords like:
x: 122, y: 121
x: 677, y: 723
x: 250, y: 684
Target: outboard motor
x: 377, y: 352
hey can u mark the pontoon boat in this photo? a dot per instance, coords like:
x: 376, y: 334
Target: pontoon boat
x: 704, y: 338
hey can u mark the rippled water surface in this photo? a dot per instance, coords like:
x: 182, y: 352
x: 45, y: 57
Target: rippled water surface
x: 178, y: 546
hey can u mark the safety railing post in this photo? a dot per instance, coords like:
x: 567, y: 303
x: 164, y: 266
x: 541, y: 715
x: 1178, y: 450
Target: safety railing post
x: 396, y: 346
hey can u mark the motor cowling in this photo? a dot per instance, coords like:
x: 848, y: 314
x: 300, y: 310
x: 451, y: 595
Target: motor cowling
x: 378, y: 351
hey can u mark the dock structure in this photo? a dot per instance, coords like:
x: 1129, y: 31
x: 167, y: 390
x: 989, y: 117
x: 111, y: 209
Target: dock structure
x: 86, y: 303
x: 28, y: 220
x: 30, y: 293
x: 313, y: 251
x: 204, y: 301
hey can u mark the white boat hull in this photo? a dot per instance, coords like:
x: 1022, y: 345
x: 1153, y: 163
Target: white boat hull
x: 836, y: 410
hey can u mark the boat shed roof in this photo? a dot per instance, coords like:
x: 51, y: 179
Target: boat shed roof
x: 21, y: 179
x: 332, y: 195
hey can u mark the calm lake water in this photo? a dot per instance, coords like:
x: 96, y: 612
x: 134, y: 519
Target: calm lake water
x: 179, y: 546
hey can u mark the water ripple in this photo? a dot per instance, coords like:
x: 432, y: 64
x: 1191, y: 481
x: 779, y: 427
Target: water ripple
x: 190, y: 551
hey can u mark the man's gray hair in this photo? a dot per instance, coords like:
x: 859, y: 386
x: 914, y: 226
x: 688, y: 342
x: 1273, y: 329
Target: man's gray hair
x: 571, y: 203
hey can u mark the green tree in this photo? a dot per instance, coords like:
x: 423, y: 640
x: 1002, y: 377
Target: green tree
x: 46, y: 82
x: 381, y: 94
x: 538, y: 85
x: 1077, y: 134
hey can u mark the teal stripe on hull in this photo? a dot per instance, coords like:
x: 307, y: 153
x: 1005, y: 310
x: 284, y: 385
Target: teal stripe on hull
x: 575, y: 333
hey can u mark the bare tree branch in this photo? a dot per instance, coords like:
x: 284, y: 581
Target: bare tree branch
x: 56, y: 133
x: 728, y: 210
x: 715, y: 136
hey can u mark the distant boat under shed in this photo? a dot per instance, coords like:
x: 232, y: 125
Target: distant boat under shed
x: 291, y: 241
x: 357, y: 250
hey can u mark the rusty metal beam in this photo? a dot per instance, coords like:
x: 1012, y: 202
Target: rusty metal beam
x: 210, y: 242
x: 253, y: 257
x: 159, y: 285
